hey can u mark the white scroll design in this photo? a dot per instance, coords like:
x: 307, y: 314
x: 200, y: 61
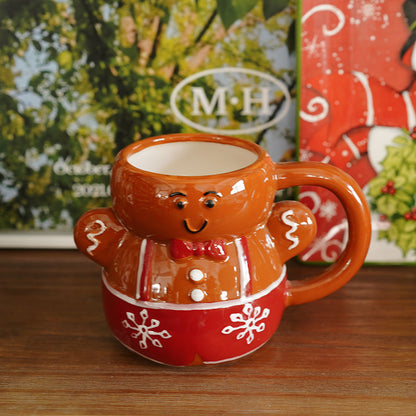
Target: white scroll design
x: 327, y: 8
x: 315, y: 199
x: 317, y: 105
x: 324, y: 243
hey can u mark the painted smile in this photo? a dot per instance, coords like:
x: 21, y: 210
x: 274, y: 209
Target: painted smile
x: 193, y: 231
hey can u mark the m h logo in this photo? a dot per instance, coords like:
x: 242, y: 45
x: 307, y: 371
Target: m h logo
x: 238, y: 93
x: 255, y: 101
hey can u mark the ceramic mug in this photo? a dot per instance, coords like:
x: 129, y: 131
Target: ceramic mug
x: 194, y: 247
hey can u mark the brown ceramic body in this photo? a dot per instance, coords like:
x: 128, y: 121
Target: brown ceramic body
x: 246, y: 282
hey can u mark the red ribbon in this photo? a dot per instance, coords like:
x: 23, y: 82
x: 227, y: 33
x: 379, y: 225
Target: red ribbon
x: 181, y: 249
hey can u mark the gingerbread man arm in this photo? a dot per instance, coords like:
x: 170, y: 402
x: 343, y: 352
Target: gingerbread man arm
x: 293, y: 226
x: 98, y: 233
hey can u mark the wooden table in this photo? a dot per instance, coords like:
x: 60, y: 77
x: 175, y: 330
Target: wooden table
x: 352, y: 353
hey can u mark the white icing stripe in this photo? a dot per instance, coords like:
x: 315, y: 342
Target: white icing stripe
x: 244, y: 270
x: 370, y: 104
x: 294, y: 227
x: 193, y: 306
x: 352, y: 146
x: 411, y: 117
x: 140, y: 268
x: 91, y: 236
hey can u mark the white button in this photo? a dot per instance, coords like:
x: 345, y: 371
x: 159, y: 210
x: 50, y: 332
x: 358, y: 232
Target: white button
x: 197, y: 295
x: 196, y: 275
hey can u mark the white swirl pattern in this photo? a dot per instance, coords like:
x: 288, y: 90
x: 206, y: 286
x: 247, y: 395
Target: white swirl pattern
x: 314, y: 105
x: 327, y: 8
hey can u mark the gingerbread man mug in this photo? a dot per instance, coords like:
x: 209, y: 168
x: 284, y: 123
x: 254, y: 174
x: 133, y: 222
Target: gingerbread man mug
x: 194, y: 247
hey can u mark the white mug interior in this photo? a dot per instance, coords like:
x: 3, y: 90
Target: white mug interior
x: 192, y: 158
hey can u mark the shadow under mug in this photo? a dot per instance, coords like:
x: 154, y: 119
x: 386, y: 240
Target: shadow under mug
x: 194, y: 247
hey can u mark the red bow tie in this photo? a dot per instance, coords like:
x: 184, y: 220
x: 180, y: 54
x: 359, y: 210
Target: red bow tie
x: 181, y: 249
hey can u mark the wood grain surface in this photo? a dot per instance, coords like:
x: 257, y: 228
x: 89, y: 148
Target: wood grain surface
x: 352, y: 353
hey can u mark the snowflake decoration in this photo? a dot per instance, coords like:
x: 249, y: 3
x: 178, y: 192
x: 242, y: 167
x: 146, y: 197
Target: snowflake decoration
x: 314, y: 48
x: 305, y: 155
x: 367, y: 10
x: 328, y: 210
x: 249, y: 322
x: 145, y: 332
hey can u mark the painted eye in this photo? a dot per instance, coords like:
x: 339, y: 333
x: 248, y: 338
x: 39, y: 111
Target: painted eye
x: 210, y: 198
x: 181, y: 204
x: 179, y: 199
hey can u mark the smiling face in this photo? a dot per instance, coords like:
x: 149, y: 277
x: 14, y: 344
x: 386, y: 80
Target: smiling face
x: 196, y: 211
x: 181, y: 202
x: 198, y: 208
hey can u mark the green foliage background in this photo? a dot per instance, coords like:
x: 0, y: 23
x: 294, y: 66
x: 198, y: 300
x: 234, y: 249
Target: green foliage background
x: 81, y: 79
x: 397, y: 207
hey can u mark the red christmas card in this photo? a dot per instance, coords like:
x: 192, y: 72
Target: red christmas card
x: 358, y: 112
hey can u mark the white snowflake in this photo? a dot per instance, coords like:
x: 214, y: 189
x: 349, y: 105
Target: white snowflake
x: 305, y: 155
x: 314, y: 48
x: 365, y: 10
x: 249, y: 322
x: 146, y: 332
x: 328, y: 210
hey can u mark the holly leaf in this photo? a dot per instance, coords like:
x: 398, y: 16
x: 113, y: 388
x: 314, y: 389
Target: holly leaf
x: 387, y: 205
x: 402, y: 140
x: 399, y: 181
x: 407, y: 242
x: 272, y: 7
x: 232, y: 10
x: 410, y: 173
x: 402, y: 208
x: 375, y: 186
x: 411, y: 157
x: 404, y: 197
x: 383, y: 235
x: 409, y: 188
x: 394, y: 158
x: 409, y: 226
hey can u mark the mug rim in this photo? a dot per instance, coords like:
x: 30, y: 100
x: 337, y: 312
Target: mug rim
x: 125, y: 153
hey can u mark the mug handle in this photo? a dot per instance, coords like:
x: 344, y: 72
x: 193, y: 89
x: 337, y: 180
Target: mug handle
x: 294, y: 174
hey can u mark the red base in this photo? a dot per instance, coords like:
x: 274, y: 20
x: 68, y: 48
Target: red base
x: 180, y: 335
